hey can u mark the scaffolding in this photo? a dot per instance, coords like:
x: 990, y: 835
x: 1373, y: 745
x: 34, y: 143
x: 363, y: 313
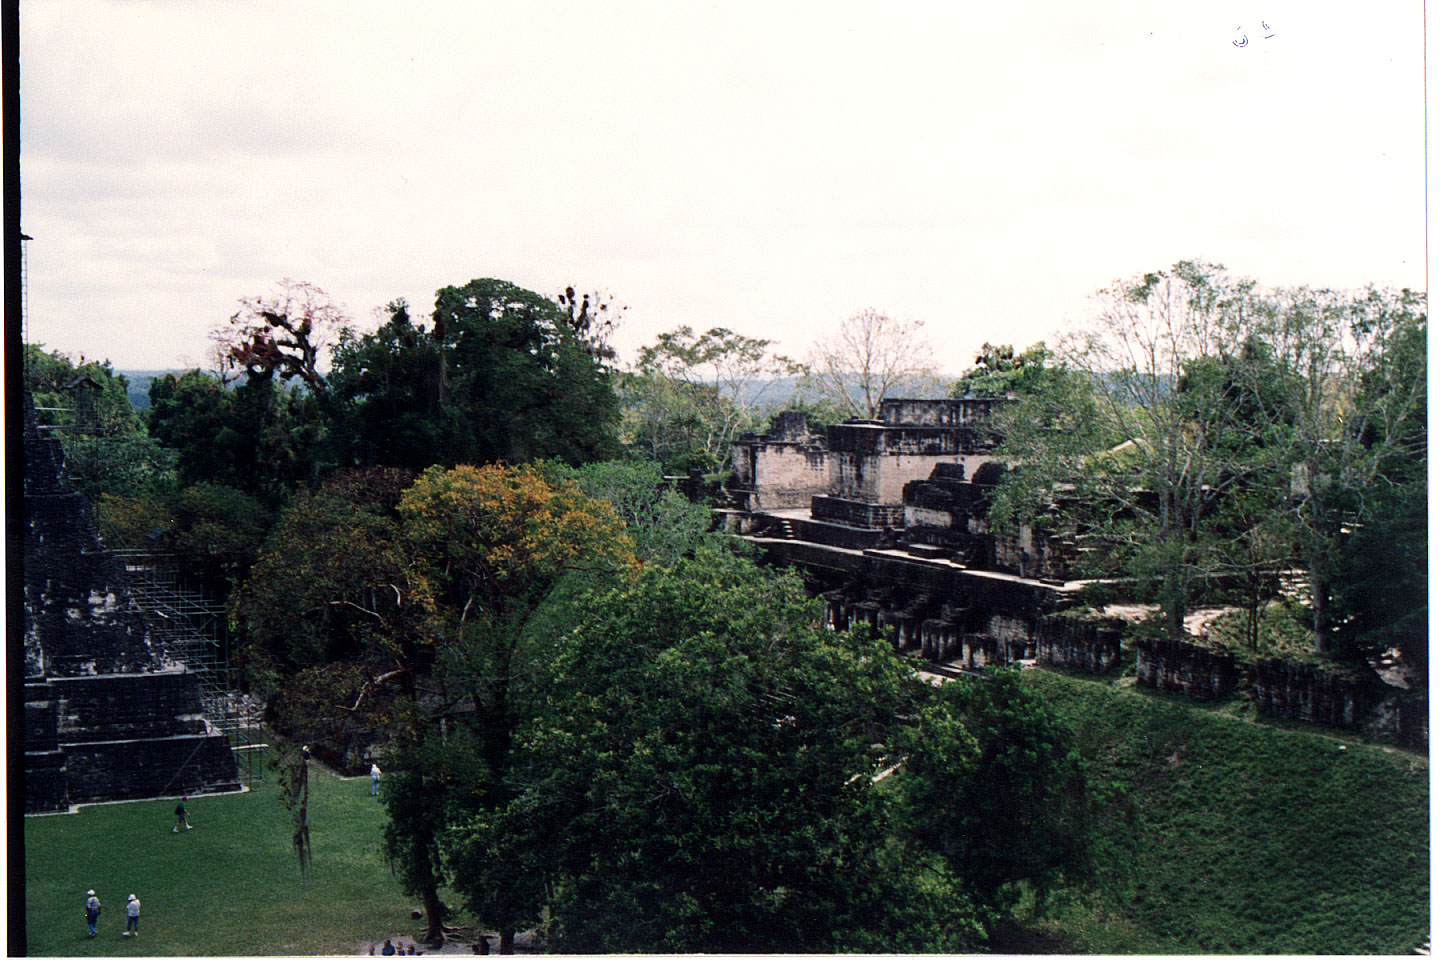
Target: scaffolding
x: 193, y: 631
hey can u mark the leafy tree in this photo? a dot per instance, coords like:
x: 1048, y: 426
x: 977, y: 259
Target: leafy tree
x: 259, y: 437
x: 126, y: 465
x: 1355, y: 367
x: 690, y: 394
x: 992, y: 784
x: 1380, y: 572
x: 52, y: 379
x: 284, y: 334
x: 661, y: 523
x: 1000, y: 372
x: 403, y: 605
x: 213, y: 532
x: 872, y: 355
x: 106, y: 448
x: 700, y: 780
x: 335, y: 581
x: 388, y: 396
x: 1152, y: 457
x: 500, y: 375
x: 528, y: 386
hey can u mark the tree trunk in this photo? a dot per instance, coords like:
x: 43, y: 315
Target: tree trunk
x: 1320, y: 606
x: 434, y: 916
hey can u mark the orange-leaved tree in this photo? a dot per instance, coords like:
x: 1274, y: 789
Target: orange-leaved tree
x: 498, y: 544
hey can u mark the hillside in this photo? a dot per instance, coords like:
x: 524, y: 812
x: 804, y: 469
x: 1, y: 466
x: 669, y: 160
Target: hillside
x: 1219, y: 835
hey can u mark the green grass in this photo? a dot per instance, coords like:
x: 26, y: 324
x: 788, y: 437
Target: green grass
x: 1216, y: 835
x: 231, y: 886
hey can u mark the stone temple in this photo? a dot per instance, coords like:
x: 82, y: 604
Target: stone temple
x: 108, y: 714
x: 888, y: 518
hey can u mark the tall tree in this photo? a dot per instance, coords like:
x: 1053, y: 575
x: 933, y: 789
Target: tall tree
x: 1151, y: 459
x: 870, y: 357
x: 406, y: 605
x: 700, y: 779
x: 690, y: 393
x: 499, y: 375
x: 283, y: 334
x: 260, y: 437
x: 388, y: 398
x: 1356, y: 402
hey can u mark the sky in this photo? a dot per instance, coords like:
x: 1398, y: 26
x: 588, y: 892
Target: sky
x: 768, y: 167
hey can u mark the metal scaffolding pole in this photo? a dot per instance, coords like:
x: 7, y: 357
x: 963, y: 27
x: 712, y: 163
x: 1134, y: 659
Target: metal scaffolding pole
x: 193, y: 632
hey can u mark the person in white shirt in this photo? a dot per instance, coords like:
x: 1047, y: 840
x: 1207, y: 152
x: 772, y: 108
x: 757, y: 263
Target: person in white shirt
x: 132, y: 917
x: 92, y: 911
x: 374, y: 780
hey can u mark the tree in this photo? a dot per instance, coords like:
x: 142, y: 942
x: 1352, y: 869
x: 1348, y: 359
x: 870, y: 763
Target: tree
x: 260, y: 437
x: 388, y: 398
x: 102, y: 409
x: 405, y: 606
x: 282, y: 334
x: 874, y: 355
x: 499, y: 375
x: 212, y: 532
x: 1155, y: 453
x: 593, y: 318
x: 1356, y: 400
x: 661, y: 523
x: 700, y: 779
x: 106, y: 448
x: 992, y: 784
x: 690, y: 393
x: 1000, y: 372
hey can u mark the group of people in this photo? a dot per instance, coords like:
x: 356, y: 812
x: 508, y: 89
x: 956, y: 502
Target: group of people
x: 132, y: 914
x: 182, y: 820
x: 132, y: 905
x: 392, y: 950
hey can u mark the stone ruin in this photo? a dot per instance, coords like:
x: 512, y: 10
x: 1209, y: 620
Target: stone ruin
x: 108, y: 714
x: 888, y: 518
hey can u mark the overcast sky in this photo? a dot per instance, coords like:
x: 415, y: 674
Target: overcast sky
x: 770, y: 167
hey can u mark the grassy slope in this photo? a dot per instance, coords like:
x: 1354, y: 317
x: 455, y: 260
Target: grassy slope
x: 1219, y: 836
x: 230, y: 886
x: 1222, y: 836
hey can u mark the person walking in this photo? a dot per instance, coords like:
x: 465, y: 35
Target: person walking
x: 132, y: 917
x: 92, y: 911
x: 182, y: 816
x: 374, y: 780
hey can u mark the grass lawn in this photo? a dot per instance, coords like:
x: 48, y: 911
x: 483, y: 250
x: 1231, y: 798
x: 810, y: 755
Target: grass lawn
x: 1218, y: 835
x: 231, y: 886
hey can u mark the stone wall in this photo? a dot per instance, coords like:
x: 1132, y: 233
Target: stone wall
x: 947, y: 412
x: 1303, y: 691
x: 857, y: 513
x: 1178, y: 667
x: 1089, y: 645
x: 778, y: 474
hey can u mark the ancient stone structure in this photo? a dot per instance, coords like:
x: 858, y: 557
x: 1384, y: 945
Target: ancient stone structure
x: 108, y: 715
x: 1178, y: 667
x: 888, y: 519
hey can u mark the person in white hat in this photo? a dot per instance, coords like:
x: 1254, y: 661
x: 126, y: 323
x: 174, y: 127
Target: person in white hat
x: 132, y: 917
x: 92, y: 911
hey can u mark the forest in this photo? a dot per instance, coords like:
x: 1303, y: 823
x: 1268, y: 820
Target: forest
x: 449, y: 544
